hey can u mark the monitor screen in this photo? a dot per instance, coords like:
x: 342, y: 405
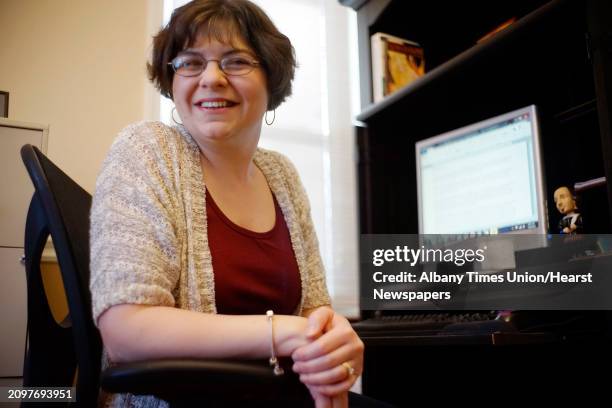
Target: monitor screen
x: 485, y: 178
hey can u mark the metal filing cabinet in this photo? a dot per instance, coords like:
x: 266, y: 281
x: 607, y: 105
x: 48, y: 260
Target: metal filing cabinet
x: 15, y: 193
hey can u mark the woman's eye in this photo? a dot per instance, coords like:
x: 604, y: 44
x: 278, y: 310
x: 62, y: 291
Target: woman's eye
x: 236, y: 61
x: 190, y: 63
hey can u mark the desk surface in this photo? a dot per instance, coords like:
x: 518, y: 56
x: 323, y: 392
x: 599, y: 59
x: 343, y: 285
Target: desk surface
x: 423, y: 339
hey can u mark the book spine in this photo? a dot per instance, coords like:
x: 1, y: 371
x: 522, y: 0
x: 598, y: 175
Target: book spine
x: 378, y: 67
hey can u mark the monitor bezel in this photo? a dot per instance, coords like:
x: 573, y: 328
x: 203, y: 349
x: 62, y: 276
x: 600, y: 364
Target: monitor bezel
x: 542, y: 227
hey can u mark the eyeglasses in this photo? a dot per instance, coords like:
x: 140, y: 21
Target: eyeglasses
x: 193, y: 65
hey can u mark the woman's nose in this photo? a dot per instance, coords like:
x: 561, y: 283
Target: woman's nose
x: 212, y: 74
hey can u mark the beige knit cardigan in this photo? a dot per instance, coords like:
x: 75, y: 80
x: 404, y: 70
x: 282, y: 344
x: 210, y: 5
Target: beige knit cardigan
x: 148, y: 236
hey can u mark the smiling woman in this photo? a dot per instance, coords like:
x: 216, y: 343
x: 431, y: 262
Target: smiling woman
x: 314, y: 128
x: 196, y: 232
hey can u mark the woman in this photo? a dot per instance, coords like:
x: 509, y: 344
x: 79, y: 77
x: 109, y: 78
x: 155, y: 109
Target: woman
x: 196, y: 232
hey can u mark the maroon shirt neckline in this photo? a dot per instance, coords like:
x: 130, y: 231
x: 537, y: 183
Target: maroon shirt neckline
x: 242, y: 230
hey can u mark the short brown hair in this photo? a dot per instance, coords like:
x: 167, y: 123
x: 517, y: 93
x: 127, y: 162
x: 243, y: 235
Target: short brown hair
x: 223, y: 20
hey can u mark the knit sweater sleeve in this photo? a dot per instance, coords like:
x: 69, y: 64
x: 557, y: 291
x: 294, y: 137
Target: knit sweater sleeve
x: 315, y: 294
x: 133, y: 239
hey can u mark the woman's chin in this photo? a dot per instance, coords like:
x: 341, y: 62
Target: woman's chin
x: 213, y: 132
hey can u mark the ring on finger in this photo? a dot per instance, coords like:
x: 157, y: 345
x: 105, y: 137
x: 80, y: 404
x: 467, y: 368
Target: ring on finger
x: 350, y: 370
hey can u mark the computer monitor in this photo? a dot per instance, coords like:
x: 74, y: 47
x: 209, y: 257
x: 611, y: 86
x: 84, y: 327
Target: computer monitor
x: 485, y: 178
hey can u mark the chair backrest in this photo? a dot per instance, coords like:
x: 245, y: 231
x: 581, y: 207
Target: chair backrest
x: 60, y: 208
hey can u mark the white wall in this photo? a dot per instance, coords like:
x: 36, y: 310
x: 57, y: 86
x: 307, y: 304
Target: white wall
x: 79, y: 67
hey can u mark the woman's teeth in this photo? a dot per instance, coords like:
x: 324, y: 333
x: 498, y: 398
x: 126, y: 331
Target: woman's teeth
x: 216, y: 104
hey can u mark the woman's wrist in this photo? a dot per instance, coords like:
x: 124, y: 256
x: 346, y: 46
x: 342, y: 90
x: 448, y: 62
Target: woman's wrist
x: 289, y: 334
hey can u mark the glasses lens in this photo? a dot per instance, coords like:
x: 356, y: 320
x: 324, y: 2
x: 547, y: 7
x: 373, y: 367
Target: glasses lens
x: 188, y: 65
x: 236, y: 65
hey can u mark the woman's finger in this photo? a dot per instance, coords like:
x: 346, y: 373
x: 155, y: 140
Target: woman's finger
x: 352, y: 352
x: 331, y: 376
x: 318, y: 321
x: 340, y: 400
x: 320, y: 400
x: 336, y: 336
x: 331, y: 390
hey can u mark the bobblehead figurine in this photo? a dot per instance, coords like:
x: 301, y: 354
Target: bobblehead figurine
x: 571, y: 223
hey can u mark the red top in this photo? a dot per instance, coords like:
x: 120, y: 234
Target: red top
x: 254, y: 271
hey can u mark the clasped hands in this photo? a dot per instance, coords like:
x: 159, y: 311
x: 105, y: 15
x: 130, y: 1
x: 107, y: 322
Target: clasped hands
x: 330, y: 364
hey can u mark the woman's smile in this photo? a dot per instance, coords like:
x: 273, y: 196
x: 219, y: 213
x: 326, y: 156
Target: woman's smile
x: 215, y: 105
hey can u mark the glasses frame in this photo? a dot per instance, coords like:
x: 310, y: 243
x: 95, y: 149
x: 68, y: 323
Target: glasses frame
x: 252, y: 63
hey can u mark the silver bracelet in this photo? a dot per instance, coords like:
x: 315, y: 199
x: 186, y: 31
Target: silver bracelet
x: 278, y: 370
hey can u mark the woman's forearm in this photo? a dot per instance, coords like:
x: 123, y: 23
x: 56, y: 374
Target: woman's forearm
x: 137, y: 332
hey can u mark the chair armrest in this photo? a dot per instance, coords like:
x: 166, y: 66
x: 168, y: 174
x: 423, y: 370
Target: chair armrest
x: 190, y: 378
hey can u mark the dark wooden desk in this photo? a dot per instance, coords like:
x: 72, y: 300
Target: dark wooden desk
x: 403, y: 369
x: 493, y: 339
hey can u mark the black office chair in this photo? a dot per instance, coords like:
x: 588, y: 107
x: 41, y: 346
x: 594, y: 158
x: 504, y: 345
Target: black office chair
x: 60, y: 208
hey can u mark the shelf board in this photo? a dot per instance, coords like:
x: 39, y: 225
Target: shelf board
x: 589, y: 184
x: 467, y: 57
x: 577, y: 111
x: 355, y: 4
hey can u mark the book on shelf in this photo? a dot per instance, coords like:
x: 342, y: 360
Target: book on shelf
x: 396, y: 62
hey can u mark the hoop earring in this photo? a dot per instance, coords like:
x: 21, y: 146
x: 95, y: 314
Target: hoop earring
x: 273, y: 117
x: 172, y: 116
